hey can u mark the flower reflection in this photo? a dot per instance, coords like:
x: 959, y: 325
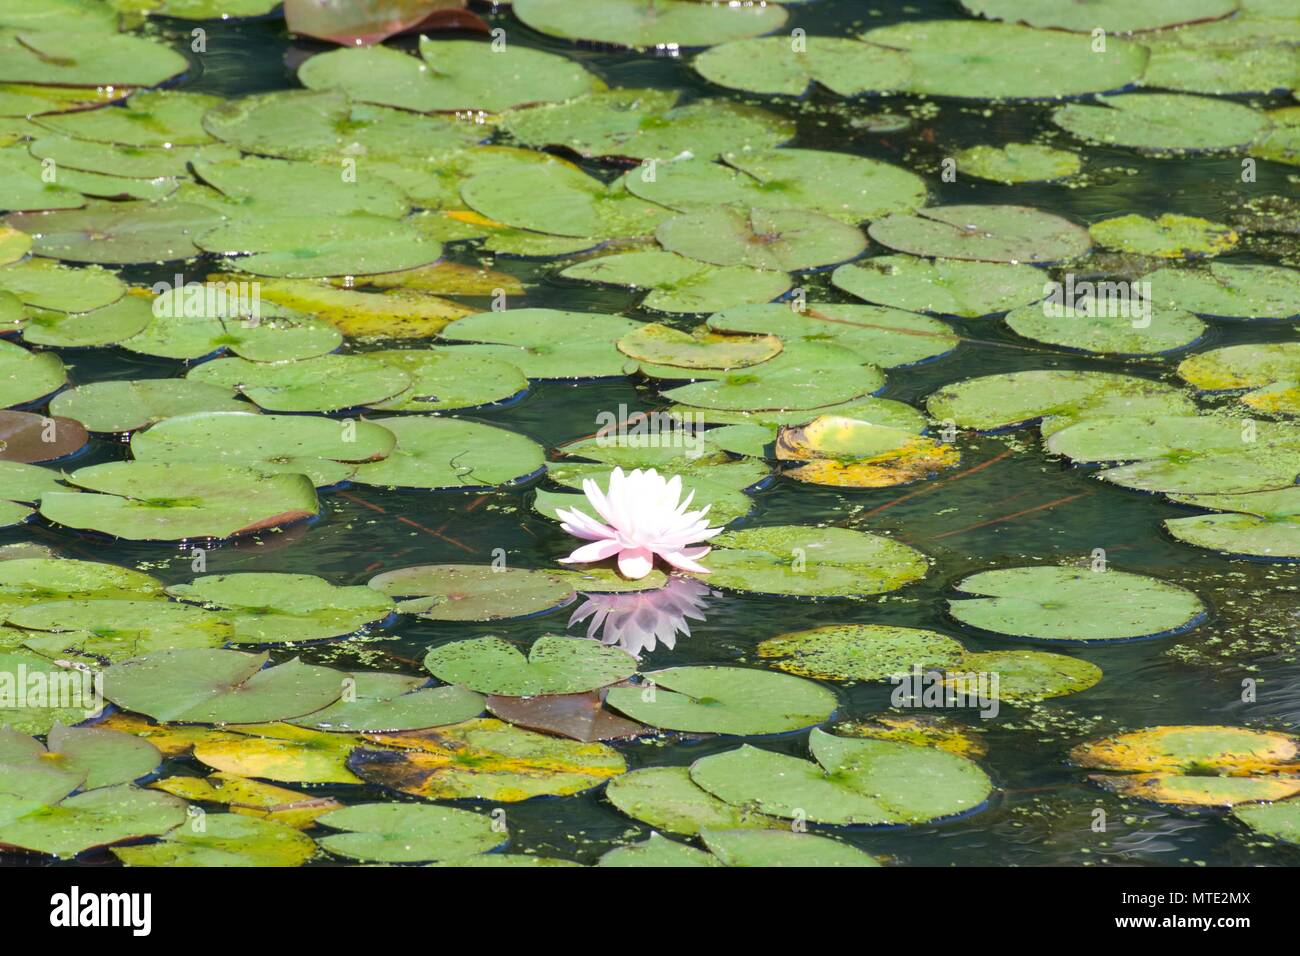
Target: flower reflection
x: 639, y: 621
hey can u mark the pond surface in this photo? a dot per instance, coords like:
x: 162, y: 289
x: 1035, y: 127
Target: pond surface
x: 1007, y: 504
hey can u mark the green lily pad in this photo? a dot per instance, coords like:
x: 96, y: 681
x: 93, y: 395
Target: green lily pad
x: 561, y: 200
x: 1261, y: 524
x: 110, y: 325
x: 117, y: 630
x: 667, y: 799
x: 1221, y: 69
x: 969, y: 58
x: 51, y: 285
x: 1168, y: 237
x: 326, y: 126
x: 76, y: 16
x: 144, y: 163
x: 774, y: 65
x: 75, y: 698
x: 260, y: 187
x: 383, y: 703
x: 26, y: 581
x: 88, y: 820
x: 1229, y: 290
x: 555, y: 665
x: 641, y: 23
x: 1018, y: 163
x: 799, y: 561
x: 225, y: 839
x: 860, y: 652
x: 1063, y: 604
x: 446, y: 453
x: 471, y: 592
x: 941, y: 286
x: 864, y: 188
x: 724, y: 700
x: 1163, y: 122
x: 219, y: 687
x: 547, y: 343
x: 781, y: 848
x: 25, y: 186
x: 1113, y: 16
x: 165, y: 501
x: 1027, y: 676
x: 657, y: 852
x: 1276, y: 821
x: 325, y: 450
x: 274, y: 608
x: 646, y: 124
x: 148, y: 118
x: 125, y: 406
x: 327, y: 383
x: 26, y: 483
x: 116, y: 233
x: 408, y: 832
x: 986, y: 233
x: 1059, y: 396
x: 89, y: 756
x: 26, y: 376
x: 778, y: 239
x: 853, y: 782
x: 12, y: 513
x: 1166, y: 330
x: 679, y: 284
x: 488, y: 760
x: 62, y: 58
x: 450, y: 75
x: 446, y: 379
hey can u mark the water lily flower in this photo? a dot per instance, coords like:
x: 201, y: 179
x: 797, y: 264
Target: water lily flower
x: 642, y: 518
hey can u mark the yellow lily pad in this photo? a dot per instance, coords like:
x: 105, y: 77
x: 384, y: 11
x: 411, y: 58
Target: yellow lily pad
x: 250, y: 797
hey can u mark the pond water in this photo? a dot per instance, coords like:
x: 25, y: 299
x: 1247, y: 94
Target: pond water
x: 1007, y: 504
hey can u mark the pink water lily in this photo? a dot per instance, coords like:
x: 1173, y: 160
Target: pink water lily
x: 642, y: 518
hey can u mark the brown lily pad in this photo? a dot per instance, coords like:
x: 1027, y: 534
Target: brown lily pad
x: 576, y: 716
x: 30, y: 438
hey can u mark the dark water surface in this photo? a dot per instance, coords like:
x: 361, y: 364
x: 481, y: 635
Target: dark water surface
x: 1023, y: 508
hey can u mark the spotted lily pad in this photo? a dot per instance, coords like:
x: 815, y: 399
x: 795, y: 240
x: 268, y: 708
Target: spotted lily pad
x: 555, y: 665
x: 324, y: 450
x: 648, y: 23
x: 802, y: 561
x: 852, y: 782
x: 219, y: 686
x: 125, y: 406
x: 680, y: 284
x: 547, y: 343
x: 986, y: 233
x: 780, y: 65
x: 860, y: 652
x: 485, y: 759
x: 725, y: 700
x: 408, y: 832
x: 1163, y: 122
x: 1075, y: 604
x: 1230, y: 290
x: 446, y: 453
x: 224, y: 839
x: 1018, y: 163
x: 471, y: 592
x: 152, y: 501
x: 1025, y: 676
x: 1168, y: 237
x: 941, y: 286
x: 37, y: 580
x: 845, y: 452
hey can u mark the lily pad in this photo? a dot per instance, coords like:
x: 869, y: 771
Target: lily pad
x: 853, y: 782
x: 280, y: 188
x: 1113, y: 16
x: 1276, y: 821
x: 1094, y: 328
x: 941, y: 286
x: 668, y: 24
x: 325, y: 450
x: 327, y: 383
x: 668, y: 346
x: 680, y: 284
x: 724, y: 700
x: 26, y: 376
x: 27, y: 437
x: 118, y: 630
x: 775, y: 65
x: 280, y: 751
x: 547, y: 343
x: 657, y: 852
x: 471, y: 592
x: 250, y: 798
x: 1190, y: 749
x: 667, y: 799
x: 394, y: 314
x: 25, y: 185
x: 1018, y: 163
x: 382, y: 703
x: 164, y: 501
x: 51, y: 285
x: 555, y: 665
x: 450, y: 75
x: 986, y: 233
x: 147, y: 118
x: 1261, y: 524
x: 275, y: 608
x: 87, y: 820
x: 777, y: 239
x: 408, y: 832
x: 485, y: 759
x: 116, y: 233
x: 446, y: 453
x: 219, y: 687
x: 1230, y: 290
x: 446, y: 379
x: 1075, y: 604
x: 225, y: 839
x: 111, y: 325
x: 847, y: 453
x: 860, y: 652
x: 1168, y: 237
x: 125, y: 406
x: 62, y: 58
x: 768, y: 848
x: 1026, y: 676
x: 87, y: 756
x: 576, y: 716
x: 1163, y: 122
x: 26, y: 483
x: 799, y: 561
x: 26, y: 581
